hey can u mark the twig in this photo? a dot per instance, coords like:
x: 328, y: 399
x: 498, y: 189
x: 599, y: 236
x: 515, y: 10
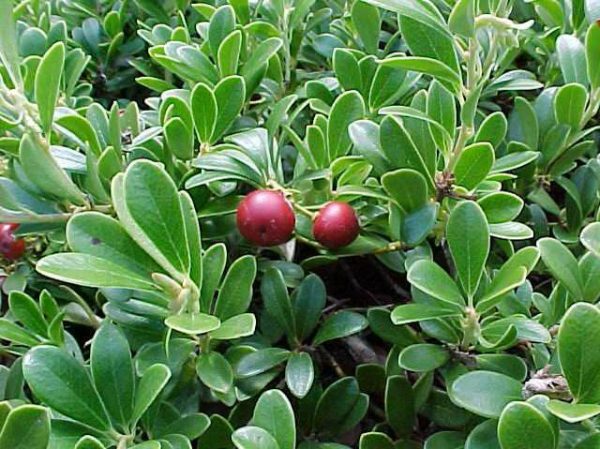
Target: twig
x: 333, y: 362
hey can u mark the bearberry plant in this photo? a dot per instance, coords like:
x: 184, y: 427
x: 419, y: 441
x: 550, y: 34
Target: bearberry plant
x: 299, y: 224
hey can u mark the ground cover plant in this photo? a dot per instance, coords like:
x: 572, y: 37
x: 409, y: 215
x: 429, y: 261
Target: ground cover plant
x: 299, y: 224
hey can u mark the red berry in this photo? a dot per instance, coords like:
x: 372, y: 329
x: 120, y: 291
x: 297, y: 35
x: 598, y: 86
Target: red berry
x: 11, y: 247
x: 266, y: 218
x: 336, y: 225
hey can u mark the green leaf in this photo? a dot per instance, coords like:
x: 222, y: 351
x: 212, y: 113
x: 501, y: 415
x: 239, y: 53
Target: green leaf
x: 514, y: 160
x: 469, y: 241
x: 260, y: 361
x: 522, y: 426
x: 149, y: 209
x: 309, y: 302
x: 430, y: 278
x: 250, y: 437
x: 62, y: 382
x: 407, y: 187
x: 388, y: 84
x: 82, y: 129
x: 273, y: 413
x: 485, y: 393
x: 429, y: 66
x: 461, y: 20
x: 492, y: 129
x: 190, y: 426
x: 149, y: 388
x: 484, y: 436
x: 229, y: 53
x: 89, y: 442
x: 367, y: 22
x: 255, y: 65
x: 9, y: 53
x: 569, y: 105
x: 573, y: 413
x: 511, y: 230
x: 441, y: 107
x: 365, y: 137
x: 339, y: 406
x: 221, y: 24
x: 590, y: 442
x: 193, y: 323
x: 375, y: 440
x: 445, y: 440
x: 562, y: 264
x: 474, y: 164
x: 426, y: 40
x: 47, y: 83
x: 500, y: 207
x: 204, y: 112
x: 423, y: 357
x: 214, y: 260
x: 523, y: 124
x: 102, y: 236
x: 112, y: 372
x: 148, y: 445
x: 26, y: 427
x: 505, y: 281
x: 592, y: 50
x: 193, y: 237
x: 380, y: 322
x: 26, y: 310
x: 424, y: 11
x: 571, y: 58
x: 527, y: 330
x: 179, y: 138
x: 299, y: 374
x: 590, y: 238
x: 339, y: 325
x: 347, y: 70
x: 401, y: 414
x: 92, y: 271
x: 400, y: 149
x: 411, y: 313
x: 16, y: 334
x: 277, y: 301
x: 346, y: 109
x: 214, y: 371
x: 508, y: 364
x: 37, y: 160
x: 577, y: 339
x: 230, y: 94
x: 235, y: 294
x: 238, y: 326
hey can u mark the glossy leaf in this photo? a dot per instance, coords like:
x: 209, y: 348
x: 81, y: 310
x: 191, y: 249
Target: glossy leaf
x: 339, y: 325
x: 112, y: 372
x: 433, y: 280
x: 63, y: 383
x: 562, y: 264
x: 576, y: 339
x: 469, y: 242
x: 299, y: 374
x: 485, y: 393
x: 522, y: 426
x: 26, y: 427
x: 47, y: 83
x: 273, y: 413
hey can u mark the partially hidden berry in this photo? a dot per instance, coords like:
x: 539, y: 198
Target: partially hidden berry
x: 336, y: 225
x: 11, y: 247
